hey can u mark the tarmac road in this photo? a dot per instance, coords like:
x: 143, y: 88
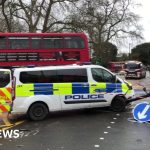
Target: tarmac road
x: 82, y: 130
x: 140, y: 83
x: 92, y: 129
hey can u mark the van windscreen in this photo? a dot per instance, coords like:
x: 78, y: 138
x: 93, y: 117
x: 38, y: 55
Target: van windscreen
x: 132, y: 66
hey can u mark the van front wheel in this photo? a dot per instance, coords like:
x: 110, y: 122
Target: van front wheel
x: 118, y: 104
x: 38, y: 111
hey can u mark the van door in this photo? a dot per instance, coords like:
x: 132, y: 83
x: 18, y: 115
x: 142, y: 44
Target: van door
x: 5, y: 90
x: 103, y: 86
x: 73, y: 88
x: 41, y: 84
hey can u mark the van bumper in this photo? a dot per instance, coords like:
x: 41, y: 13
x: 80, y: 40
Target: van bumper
x: 19, y: 110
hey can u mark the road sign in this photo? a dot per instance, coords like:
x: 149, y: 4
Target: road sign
x: 141, y: 112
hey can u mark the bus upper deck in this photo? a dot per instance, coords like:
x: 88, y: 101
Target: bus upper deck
x: 40, y: 49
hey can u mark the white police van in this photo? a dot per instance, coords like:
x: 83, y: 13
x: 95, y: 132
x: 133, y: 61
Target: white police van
x: 40, y: 90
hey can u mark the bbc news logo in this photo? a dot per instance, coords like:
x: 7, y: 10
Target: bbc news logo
x: 8, y: 134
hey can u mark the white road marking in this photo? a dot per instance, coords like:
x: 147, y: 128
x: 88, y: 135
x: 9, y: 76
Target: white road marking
x: 101, y: 138
x: 108, y: 127
x: 112, y: 122
x: 36, y: 132
x: 131, y: 120
x: 105, y: 132
x: 96, y: 146
x: 117, y: 114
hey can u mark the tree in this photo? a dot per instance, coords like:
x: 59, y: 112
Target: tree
x: 142, y: 53
x: 7, y: 18
x: 40, y: 15
x: 7, y: 21
x: 2, y: 2
x: 108, y: 54
x: 124, y: 57
x: 104, y: 21
x: 35, y: 15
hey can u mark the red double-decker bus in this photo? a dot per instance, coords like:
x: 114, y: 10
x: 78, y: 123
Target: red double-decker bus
x: 22, y: 49
x: 116, y: 66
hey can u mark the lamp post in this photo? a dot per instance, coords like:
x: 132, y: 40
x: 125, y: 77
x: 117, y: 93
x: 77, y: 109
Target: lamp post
x: 129, y: 50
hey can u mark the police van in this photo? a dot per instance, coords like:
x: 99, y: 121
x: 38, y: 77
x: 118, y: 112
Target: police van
x: 40, y: 90
x: 5, y: 90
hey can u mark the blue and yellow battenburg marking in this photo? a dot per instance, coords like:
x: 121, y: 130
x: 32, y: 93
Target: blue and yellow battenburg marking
x: 70, y: 88
x: 43, y: 89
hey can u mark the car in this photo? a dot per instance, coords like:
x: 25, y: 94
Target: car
x: 134, y: 69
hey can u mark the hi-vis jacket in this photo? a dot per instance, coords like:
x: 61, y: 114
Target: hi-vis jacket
x: 67, y: 87
x: 5, y: 90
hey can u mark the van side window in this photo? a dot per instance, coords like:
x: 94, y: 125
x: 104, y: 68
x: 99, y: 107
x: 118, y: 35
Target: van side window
x: 30, y: 76
x: 4, y: 78
x: 49, y: 76
x: 108, y: 77
x: 97, y: 74
x: 72, y: 75
x: 46, y: 76
x: 101, y: 75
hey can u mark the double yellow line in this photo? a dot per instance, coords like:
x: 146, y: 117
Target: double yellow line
x: 7, y: 125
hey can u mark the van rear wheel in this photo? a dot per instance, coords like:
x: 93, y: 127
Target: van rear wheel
x: 38, y: 111
x: 118, y: 104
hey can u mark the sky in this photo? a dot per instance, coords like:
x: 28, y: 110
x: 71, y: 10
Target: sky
x: 143, y: 10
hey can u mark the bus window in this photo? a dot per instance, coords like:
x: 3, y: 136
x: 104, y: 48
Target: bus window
x: 19, y: 42
x: 4, y: 78
x: 52, y: 42
x: 74, y: 42
x: 35, y: 42
x: 2, y: 42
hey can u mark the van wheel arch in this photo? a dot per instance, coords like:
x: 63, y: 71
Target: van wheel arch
x: 38, y: 111
x: 118, y: 103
